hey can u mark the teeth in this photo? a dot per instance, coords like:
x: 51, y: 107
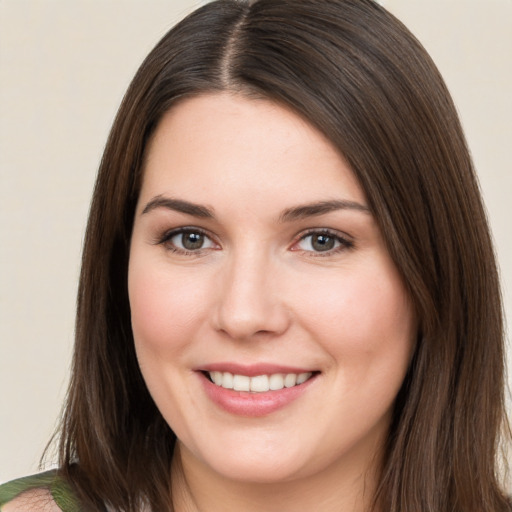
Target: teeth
x: 276, y: 381
x: 260, y: 383
x: 302, y: 377
x: 227, y: 380
x: 216, y: 377
x: 241, y: 383
x: 290, y: 380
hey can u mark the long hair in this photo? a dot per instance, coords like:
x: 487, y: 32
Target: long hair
x: 356, y: 73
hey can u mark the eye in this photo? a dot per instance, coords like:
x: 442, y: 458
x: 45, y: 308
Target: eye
x: 187, y: 240
x: 322, y: 242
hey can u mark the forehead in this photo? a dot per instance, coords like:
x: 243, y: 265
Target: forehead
x: 223, y: 144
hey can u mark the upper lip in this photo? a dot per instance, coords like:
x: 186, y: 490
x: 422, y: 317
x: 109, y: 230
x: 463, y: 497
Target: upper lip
x: 252, y: 370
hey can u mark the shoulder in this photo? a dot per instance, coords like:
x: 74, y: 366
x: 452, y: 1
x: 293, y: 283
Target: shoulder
x: 44, y: 492
x: 34, y: 500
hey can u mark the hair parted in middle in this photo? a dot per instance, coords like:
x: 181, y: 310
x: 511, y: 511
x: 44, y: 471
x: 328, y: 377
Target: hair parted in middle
x: 354, y: 72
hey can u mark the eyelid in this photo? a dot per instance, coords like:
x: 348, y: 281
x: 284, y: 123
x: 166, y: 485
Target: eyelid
x: 171, y: 233
x: 345, y: 240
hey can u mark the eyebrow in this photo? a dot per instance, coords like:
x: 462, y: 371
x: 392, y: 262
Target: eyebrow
x: 288, y: 215
x: 179, y: 205
x: 320, y: 208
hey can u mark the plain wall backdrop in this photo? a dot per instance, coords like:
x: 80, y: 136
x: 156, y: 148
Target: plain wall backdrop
x: 64, y: 66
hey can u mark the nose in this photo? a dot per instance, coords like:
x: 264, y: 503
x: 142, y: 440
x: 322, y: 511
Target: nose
x: 250, y: 299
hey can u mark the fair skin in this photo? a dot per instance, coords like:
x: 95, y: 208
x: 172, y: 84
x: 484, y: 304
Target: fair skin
x: 39, y: 500
x: 254, y: 254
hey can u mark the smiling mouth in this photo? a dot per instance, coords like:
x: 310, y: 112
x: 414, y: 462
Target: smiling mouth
x: 258, y: 383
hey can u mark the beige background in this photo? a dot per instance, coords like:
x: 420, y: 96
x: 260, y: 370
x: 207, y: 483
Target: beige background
x: 64, y: 66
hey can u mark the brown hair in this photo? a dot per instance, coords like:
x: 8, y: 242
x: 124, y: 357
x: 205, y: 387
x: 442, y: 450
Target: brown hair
x: 358, y: 75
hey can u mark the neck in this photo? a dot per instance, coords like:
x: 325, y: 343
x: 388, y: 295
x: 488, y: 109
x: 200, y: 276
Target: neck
x: 196, y: 488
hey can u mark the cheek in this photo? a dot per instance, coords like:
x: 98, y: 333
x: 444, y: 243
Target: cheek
x: 164, y: 315
x: 361, y: 315
x: 164, y: 308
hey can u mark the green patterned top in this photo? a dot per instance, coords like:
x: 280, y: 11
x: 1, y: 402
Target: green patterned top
x: 59, y: 489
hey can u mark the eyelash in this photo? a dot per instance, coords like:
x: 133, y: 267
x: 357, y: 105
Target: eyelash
x: 344, y: 243
x: 169, y: 235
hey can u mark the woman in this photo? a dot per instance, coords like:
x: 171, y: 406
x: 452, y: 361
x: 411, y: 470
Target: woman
x: 288, y: 295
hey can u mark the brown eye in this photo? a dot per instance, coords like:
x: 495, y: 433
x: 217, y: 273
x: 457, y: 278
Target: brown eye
x: 322, y: 242
x: 188, y: 241
x: 192, y: 241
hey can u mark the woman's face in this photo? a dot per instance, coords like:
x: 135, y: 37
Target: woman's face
x: 255, y: 263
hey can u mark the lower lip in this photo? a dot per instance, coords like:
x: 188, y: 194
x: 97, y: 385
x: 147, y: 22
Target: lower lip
x: 243, y: 403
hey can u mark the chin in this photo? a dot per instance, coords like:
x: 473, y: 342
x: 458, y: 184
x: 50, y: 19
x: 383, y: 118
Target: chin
x: 259, y: 471
x: 265, y: 463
